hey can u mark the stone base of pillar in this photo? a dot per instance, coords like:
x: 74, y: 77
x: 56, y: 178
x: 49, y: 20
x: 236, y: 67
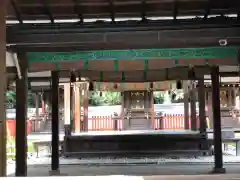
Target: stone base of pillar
x: 218, y: 171
x: 67, y: 129
x: 237, y: 148
x: 204, y: 143
x: 54, y: 173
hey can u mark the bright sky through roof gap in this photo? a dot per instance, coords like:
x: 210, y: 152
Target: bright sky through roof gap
x: 108, y: 19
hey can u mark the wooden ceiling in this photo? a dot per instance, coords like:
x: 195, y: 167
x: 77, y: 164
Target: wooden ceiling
x: 81, y: 9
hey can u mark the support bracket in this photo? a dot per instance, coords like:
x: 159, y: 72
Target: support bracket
x: 15, y: 60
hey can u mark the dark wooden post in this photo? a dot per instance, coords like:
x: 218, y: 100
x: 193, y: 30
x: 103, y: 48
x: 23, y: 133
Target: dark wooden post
x: 186, y: 105
x: 202, y: 112
x: 67, y: 110
x: 55, y: 124
x: 193, y: 107
x: 85, y: 109
x: 218, y: 163
x: 72, y: 110
x: 3, y: 74
x: 21, y: 117
x: 115, y: 121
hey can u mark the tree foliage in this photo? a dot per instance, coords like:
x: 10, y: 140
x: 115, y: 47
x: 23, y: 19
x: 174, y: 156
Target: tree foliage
x: 174, y: 95
x: 97, y: 98
x: 11, y: 100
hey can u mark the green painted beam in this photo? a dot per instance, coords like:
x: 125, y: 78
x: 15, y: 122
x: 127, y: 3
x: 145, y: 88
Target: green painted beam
x: 136, y: 54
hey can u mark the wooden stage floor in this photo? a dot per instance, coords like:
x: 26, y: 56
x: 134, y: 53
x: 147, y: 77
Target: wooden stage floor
x: 43, y: 136
x: 136, y: 132
x: 47, y: 136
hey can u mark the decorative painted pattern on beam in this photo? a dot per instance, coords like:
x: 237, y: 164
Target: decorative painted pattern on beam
x: 161, y: 85
x: 135, y: 54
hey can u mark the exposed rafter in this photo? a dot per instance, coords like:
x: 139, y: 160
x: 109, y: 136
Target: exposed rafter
x: 112, y: 11
x: 153, y: 34
x: 77, y: 10
x: 208, y: 9
x: 47, y: 10
x: 31, y: 10
x: 175, y: 10
x: 17, y: 12
x: 143, y: 10
x: 238, y: 11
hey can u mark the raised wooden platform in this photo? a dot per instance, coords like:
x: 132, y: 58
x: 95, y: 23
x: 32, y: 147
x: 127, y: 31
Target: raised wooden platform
x: 132, y: 143
x: 137, y: 132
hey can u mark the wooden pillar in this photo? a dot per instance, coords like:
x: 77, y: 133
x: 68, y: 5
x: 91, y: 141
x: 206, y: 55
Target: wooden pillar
x: 37, y: 105
x: 85, y: 109
x: 186, y: 104
x: 72, y: 110
x: 193, y: 107
x: 55, y: 124
x: 77, y: 108
x: 3, y: 164
x: 202, y: 113
x: 46, y: 101
x: 21, y: 117
x: 234, y: 96
x: 152, y: 111
x: 218, y: 163
x: 43, y: 103
x: 229, y: 100
x: 237, y: 100
x: 207, y: 106
x: 201, y: 100
x: 121, y: 115
x: 127, y: 98
x: 67, y: 111
x: 122, y: 104
x: 80, y: 109
x: 82, y: 127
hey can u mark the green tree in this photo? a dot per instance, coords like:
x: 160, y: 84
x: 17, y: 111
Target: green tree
x: 31, y: 102
x: 112, y: 98
x: 95, y: 98
x: 11, y: 100
x: 174, y: 95
x: 158, y: 97
x: 177, y: 95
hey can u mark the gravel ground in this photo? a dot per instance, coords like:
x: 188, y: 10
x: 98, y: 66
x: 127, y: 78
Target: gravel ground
x: 102, y: 166
x: 43, y: 159
x: 118, y: 161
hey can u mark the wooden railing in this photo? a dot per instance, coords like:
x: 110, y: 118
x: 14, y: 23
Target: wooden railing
x: 104, y: 123
x: 37, y: 125
x: 107, y: 123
